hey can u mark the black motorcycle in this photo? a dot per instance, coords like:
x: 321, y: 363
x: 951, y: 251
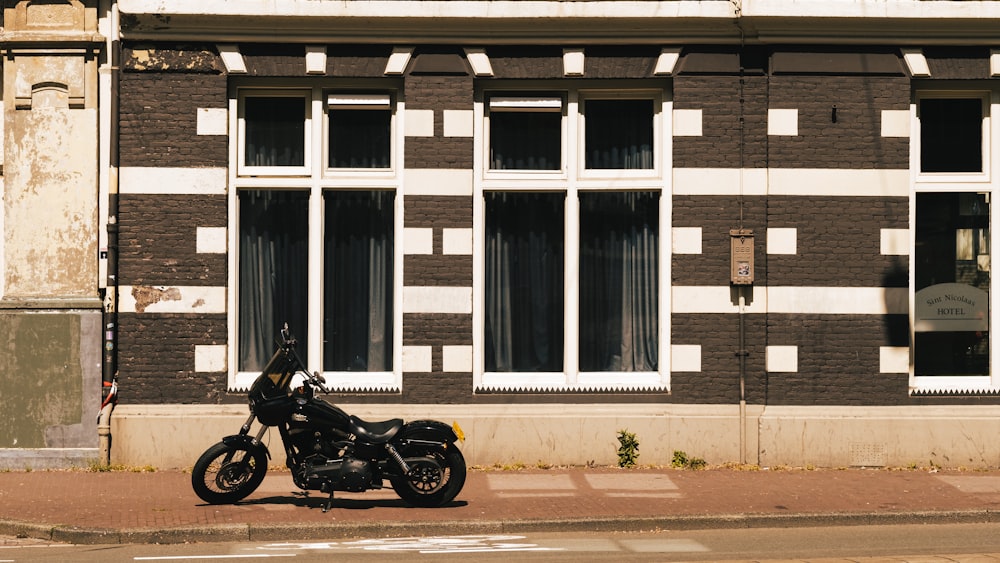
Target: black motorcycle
x: 326, y: 449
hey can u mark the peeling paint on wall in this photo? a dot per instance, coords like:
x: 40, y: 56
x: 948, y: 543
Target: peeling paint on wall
x: 145, y: 296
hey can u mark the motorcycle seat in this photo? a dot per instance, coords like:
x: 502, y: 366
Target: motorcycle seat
x: 375, y: 432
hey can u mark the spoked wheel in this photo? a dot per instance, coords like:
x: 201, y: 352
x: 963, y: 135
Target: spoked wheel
x: 436, y: 476
x: 226, y: 473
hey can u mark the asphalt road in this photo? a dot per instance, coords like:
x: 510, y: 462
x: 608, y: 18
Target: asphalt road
x: 934, y: 542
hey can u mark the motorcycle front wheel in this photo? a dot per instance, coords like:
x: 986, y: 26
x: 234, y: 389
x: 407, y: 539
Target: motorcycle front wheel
x: 227, y: 473
x: 436, y: 476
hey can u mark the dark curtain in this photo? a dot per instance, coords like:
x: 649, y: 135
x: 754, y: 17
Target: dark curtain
x: 619, y: 281
x: 275, y: 131
x: 358, y: 282
x: 273, y: 280
x: 619, y: 134
x: 524, y: 282
x: 525, y: 141
x: 360, y: 138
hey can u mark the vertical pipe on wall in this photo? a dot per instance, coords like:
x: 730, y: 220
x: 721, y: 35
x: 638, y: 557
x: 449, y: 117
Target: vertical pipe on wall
x: 741, y: 289
x: 109, y: 375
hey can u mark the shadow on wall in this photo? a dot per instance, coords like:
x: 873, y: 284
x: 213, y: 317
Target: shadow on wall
x: 897, y: 327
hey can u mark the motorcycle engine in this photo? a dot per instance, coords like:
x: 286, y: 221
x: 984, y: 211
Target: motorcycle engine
x: 347, y: 474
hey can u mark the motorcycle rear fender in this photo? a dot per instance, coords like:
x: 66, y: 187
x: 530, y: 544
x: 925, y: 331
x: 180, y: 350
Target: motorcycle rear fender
x: 247, y: 442
x: 428, y: 431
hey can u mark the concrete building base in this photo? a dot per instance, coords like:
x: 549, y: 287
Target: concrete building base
x: 23, y: 459
x: 173, y: 436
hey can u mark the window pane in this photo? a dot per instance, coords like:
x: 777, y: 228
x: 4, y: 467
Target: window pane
x: 619, y: 281
x: 273, y: 235
x: 525, y: 140
x: 951, y: 135
x: 358, y: 282
x: 359, y: 138
x: 275, y: 130
x: 524, y: 282
x: 952, y: 280
x: 619, y: 134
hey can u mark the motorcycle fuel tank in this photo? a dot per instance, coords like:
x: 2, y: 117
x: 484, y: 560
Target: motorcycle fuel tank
x: 320, y: 413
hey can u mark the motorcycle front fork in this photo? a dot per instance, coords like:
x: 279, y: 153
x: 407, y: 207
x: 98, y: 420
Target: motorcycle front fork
x: 245, y: 429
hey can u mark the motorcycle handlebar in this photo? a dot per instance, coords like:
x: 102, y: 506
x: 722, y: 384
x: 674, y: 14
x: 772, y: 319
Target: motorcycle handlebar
x: 319, y: 381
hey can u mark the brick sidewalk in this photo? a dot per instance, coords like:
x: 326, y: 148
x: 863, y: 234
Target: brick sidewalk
x: 126, y: 507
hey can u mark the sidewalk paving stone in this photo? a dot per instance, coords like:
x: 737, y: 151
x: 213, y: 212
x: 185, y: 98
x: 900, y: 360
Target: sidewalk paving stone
x: 126, y: 507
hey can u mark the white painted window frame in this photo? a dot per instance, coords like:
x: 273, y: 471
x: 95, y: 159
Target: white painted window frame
x: 524, y: 102
x: 376, y: 100
x: 318, y: 179
x: 248, y: 170
x: 985, y: 182
x: 572, y: 181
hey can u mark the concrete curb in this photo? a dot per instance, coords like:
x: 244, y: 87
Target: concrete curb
x: 311, y: 531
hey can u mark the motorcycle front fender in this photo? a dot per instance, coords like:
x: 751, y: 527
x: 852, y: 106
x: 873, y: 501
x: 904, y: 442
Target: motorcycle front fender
x: 247, y: 442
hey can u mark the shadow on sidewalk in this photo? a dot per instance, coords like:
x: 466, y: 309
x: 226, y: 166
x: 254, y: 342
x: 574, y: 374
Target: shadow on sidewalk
x: 306, y: 500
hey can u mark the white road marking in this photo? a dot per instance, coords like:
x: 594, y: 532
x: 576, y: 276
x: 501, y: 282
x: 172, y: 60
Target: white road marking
x: 497, y: 544
x: 186, y: 557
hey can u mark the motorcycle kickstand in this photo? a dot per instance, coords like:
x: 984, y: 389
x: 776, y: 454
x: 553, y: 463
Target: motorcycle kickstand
x: 328, y: 503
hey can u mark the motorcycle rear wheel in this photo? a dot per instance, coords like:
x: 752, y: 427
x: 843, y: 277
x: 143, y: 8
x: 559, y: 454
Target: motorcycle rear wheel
x: 226, y: 473
x: 432, y: 481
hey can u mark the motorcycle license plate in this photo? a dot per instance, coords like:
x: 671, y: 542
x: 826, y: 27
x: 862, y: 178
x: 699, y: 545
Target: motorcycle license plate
x: 458, y: 431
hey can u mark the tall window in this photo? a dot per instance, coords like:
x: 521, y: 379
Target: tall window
x: 952, y: 281
x: 619, y: 281
x: 950, y: 262
x: 524, y: 282
x: 572, y: 268
x: 358, y: 281
x: 315, y: 217
x: 273, y: 265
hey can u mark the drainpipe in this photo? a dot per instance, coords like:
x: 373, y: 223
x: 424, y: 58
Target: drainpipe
x: 741, y: 348
x: 109, y: 375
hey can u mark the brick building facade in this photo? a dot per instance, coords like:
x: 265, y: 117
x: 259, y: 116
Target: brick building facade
x: 494, y: 167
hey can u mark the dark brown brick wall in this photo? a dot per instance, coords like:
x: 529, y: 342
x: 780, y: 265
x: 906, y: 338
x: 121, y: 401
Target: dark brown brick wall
x: 357, y: 60
x: 838, y: 361
x: 274, y: 60
x: 437, y: 270
x: 158, y: 239
x: 855, y: 140
x: 838, y: 240
x: 838, y: 237
x: 719, y: 378
x: 438, y: 211
x: 716, y: 215
x: 156, y: 359
x: 620, y: 62
x: 964, y: 63
x: 533, y: 61
x: 719, y: 146
x: 159, y: 120
x: 438, y: 93
x: 437, y: 330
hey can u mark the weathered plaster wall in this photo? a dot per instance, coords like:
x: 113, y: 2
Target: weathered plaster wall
x: 50, y: 203
x: 50, y: 306
x: 52, y: 373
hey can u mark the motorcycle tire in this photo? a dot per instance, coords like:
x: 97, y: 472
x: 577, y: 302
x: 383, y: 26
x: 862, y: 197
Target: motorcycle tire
x: 226, y: 473
x: 434, y: 481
